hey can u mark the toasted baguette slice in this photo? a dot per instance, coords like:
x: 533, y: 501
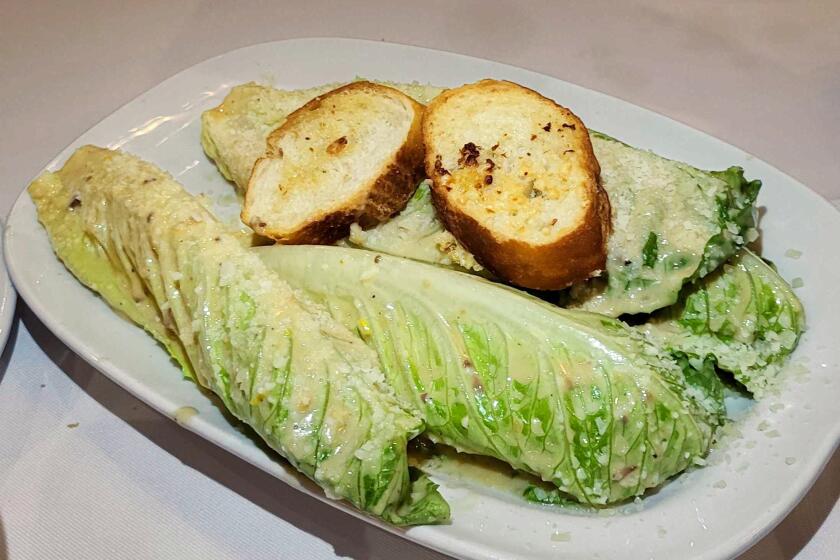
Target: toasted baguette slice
x: 354, y: 154
x: 516, y: 182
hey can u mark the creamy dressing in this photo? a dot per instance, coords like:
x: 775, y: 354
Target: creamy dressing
x: 185, y: 413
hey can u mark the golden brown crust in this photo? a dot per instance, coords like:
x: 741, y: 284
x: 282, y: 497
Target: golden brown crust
x: 393, y: 188
x: 326, y: 230
x: 383, y: 197
x: 572, y: 258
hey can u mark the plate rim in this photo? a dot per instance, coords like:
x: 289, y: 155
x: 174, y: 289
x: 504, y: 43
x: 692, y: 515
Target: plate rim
x: 8, y: 298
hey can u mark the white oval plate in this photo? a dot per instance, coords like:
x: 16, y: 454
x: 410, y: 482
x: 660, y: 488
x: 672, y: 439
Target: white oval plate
x: 714, y: 512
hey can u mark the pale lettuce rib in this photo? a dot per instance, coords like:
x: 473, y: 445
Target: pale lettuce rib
x: 310, y: 388
x: 416, y: 233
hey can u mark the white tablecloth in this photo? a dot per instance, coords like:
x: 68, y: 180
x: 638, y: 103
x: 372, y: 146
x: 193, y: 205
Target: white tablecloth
x: 87, y: 471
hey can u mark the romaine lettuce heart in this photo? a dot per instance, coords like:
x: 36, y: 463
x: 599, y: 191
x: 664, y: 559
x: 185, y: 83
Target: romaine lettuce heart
x: 576, y: 398
x: 310, y: 388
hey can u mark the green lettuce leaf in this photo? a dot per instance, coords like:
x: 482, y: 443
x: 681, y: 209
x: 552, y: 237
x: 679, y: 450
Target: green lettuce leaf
x: 578, y: 399
x: 310, y: 388
x: 672, y: 223
x: 743, y: 316
x: 546, y: 496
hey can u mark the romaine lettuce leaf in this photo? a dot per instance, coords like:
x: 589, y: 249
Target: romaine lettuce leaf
x: 545, y: 496
x: 310, y: 388
x: 743, y: 316
x: 575, y: 398
x: 672, y: 223
x: 80, y: 253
